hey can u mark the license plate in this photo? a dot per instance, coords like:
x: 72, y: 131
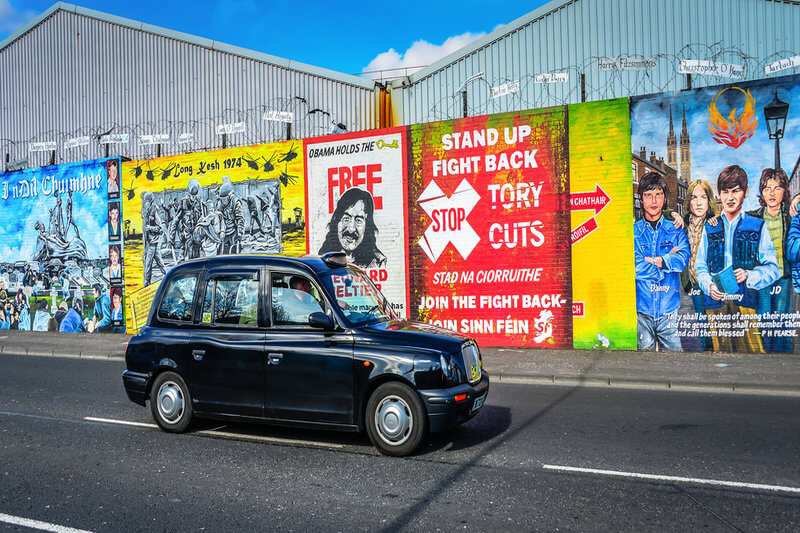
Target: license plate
x: 475, y: 371
x: 478, y: 403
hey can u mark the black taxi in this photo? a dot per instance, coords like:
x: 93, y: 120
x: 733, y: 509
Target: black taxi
x: 307, y: 342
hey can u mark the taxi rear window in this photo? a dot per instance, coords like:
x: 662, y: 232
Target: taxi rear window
x: 231, y: 300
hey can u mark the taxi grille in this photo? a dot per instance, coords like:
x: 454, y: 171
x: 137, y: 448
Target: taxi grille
x: 472, y: 361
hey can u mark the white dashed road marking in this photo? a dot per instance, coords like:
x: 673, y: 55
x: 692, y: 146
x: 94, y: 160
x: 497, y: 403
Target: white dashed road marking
x: 123, y: 422
x: 35, y: 524
x: 675, y: 479
x: 277, y: 440
x: 223, y: 434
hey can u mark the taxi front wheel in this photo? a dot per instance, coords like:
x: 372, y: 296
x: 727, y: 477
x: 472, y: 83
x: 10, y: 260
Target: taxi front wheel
x: 395, y: 419
x: 170, y: 403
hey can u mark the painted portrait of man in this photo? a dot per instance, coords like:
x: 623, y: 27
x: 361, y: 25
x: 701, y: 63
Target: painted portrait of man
x: 112, y: 170
x: 662, y: 253
x: 114, y: 263
x: 352, y: 230
x: 774, y: 211
x: 741, y: 247
x: 113, y: 221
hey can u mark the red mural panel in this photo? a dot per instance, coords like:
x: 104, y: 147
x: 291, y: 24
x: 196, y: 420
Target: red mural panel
x: 489, y: 231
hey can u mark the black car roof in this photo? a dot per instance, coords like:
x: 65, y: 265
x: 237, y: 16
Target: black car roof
x: 313, y: 262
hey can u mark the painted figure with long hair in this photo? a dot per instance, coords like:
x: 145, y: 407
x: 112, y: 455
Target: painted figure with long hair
x: 700, y: 209
x: 352, y: 230
x: 776, y: 298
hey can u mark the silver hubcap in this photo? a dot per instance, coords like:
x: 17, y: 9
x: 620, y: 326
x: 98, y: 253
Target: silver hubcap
x: 393, y: 420
x: 170, y: 402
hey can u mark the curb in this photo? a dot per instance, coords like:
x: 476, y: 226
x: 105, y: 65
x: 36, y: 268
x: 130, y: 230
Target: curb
x: 644, y: 383
x: 64, y: 355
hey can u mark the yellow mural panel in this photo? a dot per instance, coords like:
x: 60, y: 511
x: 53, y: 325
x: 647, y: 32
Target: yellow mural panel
x: 601, y: 190
x: 237, y: 200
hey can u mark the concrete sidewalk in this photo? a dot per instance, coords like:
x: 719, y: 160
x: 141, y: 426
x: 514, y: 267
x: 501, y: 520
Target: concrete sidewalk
x: 768, y: 374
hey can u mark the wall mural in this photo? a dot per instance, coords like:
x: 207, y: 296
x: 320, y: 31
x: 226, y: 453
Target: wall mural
x: 238, y: 200
x: 58, y: 250
x: 513, y: 228
x: 716, y: 237
x: 603, y: 285
x: 489, y: 228
x: 357, y: 204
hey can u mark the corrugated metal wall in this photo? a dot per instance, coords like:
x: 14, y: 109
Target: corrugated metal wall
x: 75, y: 75
x: 570, y: 36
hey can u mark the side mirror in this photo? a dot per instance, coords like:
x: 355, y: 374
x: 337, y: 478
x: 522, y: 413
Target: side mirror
x: 320, y: 320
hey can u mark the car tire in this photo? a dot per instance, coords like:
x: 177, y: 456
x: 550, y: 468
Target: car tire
x: 170, y: 403
x: 395, y: 419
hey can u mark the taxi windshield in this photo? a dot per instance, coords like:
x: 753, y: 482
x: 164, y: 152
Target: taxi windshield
x: 357, y: 297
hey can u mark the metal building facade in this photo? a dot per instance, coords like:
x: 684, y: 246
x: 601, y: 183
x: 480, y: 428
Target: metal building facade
x: 568, y: 37
x: 74, y: 73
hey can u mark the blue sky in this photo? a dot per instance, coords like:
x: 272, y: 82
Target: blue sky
x: 343, y: 36
x: 650, y: 124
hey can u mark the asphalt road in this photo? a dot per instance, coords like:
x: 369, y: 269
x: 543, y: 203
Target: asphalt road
x: 727, y: 462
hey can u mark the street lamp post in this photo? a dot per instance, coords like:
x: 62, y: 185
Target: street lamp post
x: 463, y: 91
x: 775, y: 113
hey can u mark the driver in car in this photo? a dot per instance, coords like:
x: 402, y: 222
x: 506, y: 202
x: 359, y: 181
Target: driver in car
x: 295, y: 307
x: 301, y: 288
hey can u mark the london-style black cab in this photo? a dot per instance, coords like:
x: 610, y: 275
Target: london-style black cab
x: 305, y: 342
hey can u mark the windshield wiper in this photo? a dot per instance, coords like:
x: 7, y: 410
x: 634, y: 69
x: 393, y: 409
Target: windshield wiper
x: 369, y: 314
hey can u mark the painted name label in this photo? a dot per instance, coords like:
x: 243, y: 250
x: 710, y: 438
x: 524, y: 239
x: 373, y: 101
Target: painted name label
x: 627, y: 63
x: 783, y: 64
x: 159, y: 138
x: 115, y: 138
x: 506, y: 88
x: 236, y: 127
x: 279, y: 116
x: 77, y: 141
x: 552, y: 77
x: 710, y: 68
x: 43, y: 146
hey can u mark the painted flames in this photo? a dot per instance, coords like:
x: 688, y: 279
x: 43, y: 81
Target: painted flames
x: 733, y: 131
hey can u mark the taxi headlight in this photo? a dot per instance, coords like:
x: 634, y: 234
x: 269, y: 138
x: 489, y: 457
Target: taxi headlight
x: 449, y: 369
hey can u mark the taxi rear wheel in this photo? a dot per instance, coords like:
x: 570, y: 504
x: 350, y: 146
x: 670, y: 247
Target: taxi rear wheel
x: 170, y: 403
x: 395, y: 419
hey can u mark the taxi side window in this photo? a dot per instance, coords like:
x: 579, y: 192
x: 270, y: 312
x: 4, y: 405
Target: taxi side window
x: 231, y: 300
x: 294, y: 298
x: 178, y: 299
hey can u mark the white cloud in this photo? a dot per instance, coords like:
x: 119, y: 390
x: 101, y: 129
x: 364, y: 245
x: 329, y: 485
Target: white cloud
x: 11, y: 19
x: 420, y: 54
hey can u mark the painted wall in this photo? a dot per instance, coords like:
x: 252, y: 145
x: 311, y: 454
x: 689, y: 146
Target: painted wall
x: 489, y: 227
x: 55, y: 245
x: 604, y: 299
x: 239, y: 200
x: 728, y: 283
x: 357, y: 203
x: 595, y: 226
x: 464, y: 224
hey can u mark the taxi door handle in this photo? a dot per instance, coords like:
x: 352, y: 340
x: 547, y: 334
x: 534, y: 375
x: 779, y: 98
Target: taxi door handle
x: 198, y: 354
x: 274, y: 358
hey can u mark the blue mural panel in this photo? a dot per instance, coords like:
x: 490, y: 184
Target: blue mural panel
x: 60, y: 250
